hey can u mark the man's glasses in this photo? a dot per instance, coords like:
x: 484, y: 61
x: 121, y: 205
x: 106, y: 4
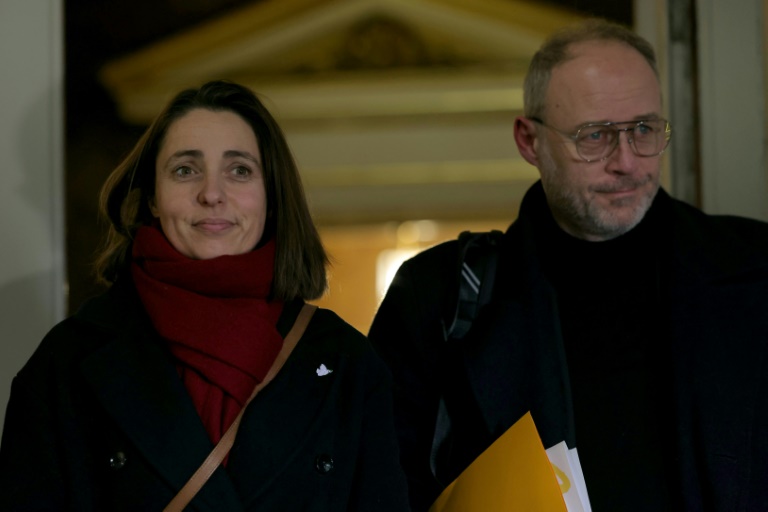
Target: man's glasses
x: 596, y: 141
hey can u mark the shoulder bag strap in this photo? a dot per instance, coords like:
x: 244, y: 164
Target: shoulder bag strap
x: 477, y: 261
x: 221, y: 449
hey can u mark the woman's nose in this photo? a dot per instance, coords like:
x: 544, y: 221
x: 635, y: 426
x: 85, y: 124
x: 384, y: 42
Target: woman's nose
x: 211, y: 192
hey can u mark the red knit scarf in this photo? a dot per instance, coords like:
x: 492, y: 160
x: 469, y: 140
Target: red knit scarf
x: 216, y: 318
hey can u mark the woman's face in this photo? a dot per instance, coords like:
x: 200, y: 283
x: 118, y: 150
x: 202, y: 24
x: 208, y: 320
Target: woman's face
x: 209, y: 187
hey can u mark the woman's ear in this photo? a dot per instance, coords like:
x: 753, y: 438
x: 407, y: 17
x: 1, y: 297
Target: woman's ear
x: 153, y: 207
x: 526, y: 136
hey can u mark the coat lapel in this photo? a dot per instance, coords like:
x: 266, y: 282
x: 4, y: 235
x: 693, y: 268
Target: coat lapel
x: 514, y: 353
x: 289, y: 414
x: 137, y: 385
x: 521, y: 364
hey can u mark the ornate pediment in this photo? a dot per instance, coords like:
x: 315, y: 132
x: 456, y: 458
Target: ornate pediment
x: 287, y: 46
x: 394, y: 108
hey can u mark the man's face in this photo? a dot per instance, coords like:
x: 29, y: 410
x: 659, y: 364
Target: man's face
x: 605, y: 82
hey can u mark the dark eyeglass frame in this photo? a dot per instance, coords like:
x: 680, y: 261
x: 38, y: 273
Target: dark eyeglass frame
x: 630, y: 131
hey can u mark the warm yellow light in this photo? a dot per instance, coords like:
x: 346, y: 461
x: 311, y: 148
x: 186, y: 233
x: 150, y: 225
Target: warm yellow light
x: 387, y: 263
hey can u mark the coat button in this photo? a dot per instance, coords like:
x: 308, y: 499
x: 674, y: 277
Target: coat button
x: 117, y: 461
x: 323, y: 463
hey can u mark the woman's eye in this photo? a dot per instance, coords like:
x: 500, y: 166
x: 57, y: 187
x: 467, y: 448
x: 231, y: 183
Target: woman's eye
x: 241, y: 171
x: 182, y: 171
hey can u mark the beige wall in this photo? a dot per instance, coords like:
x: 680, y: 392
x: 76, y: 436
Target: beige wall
x: 31, y: 140
x: 731, y: 49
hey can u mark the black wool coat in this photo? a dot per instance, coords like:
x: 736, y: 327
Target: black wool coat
x: 513, y: 359
x: 99, y: 420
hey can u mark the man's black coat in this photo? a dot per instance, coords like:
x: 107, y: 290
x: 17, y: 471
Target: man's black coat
x: 513, y: 360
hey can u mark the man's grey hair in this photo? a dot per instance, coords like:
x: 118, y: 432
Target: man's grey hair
x: 555, y: 51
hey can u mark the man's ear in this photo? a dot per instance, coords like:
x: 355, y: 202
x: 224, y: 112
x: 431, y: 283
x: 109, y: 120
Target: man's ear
x: 525, y: 138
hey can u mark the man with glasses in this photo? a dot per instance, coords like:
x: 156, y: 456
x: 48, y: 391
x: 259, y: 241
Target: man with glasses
x: 632, y: 326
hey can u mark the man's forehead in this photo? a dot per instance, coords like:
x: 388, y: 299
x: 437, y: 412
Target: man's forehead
x: 603, y: 52
x: 601, y: 81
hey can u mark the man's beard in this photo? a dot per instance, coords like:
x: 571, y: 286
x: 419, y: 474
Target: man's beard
x: 585, y: 217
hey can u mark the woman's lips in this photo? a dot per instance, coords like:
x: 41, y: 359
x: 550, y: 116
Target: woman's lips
x: 213, y: 225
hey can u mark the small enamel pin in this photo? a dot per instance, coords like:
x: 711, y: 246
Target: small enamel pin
x: 322, y: 371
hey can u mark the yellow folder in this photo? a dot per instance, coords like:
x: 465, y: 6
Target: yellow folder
x: 512, y: 474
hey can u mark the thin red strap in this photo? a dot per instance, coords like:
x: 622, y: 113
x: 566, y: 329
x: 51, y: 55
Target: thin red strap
x: 206, y: 469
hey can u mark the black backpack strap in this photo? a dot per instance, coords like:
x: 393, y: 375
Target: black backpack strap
x: 476, y: 273
x: 478, y: 255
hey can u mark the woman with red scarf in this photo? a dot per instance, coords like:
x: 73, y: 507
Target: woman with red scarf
x: 211, y: 253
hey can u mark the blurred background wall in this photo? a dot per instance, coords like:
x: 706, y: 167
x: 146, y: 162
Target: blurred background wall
x: 32, y: 269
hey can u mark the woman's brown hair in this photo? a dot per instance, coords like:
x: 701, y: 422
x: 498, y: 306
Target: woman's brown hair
x: 300, y: 260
